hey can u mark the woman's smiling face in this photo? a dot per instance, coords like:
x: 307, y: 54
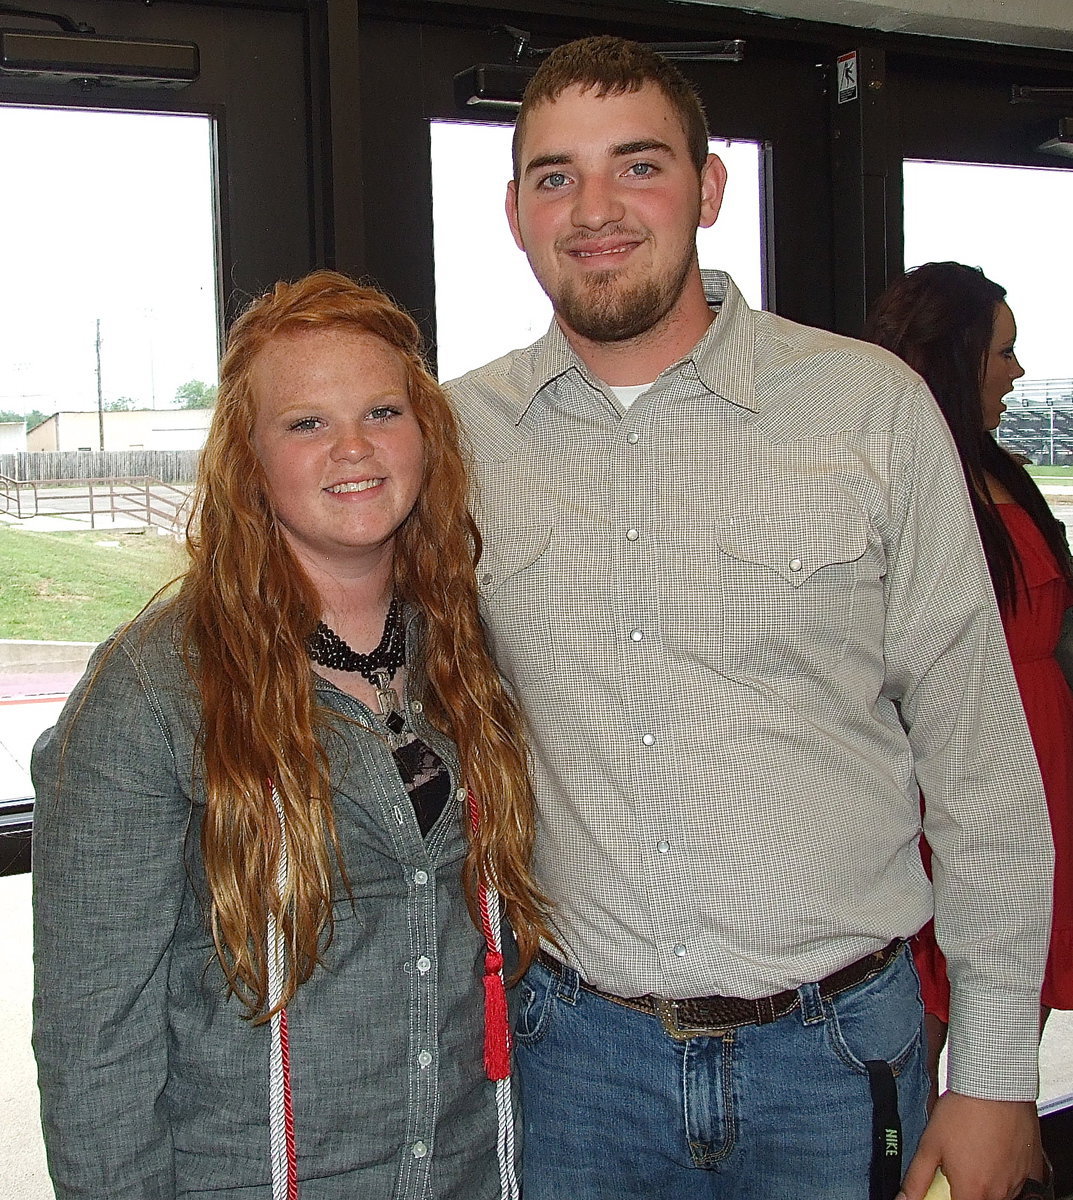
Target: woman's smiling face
x: 338, y: 440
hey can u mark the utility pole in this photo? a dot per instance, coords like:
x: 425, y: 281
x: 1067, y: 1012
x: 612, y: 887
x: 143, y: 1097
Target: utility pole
x: 152, y: 362
x: 100, y: 394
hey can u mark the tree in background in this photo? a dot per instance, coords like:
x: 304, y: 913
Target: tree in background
x: 195, y: 394
x: 123, y: 404
x: 32, y: 418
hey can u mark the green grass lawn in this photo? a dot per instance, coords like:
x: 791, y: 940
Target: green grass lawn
x: 1065, y: 474
x: 77, y: 587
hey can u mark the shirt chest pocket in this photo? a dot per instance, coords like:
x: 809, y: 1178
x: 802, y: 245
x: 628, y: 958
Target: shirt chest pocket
x: 790, y: 590
x: 794, y: 547
x: 522, y: 596
x: 507, y: 554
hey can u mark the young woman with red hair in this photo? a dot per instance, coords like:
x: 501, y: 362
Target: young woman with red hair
x: 265, y: 810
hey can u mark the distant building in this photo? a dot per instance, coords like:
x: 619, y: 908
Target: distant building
x: 1034, y: 392
x: 12, y: 437
x: 142, y: 429
x: 1038, y: 421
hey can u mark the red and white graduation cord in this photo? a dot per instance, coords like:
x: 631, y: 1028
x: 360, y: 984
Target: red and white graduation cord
x: 280, y: 1110
x: 496, y: 1022
x: 497, y: 1042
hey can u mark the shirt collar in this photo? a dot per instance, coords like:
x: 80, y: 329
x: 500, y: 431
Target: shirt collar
x: 722, y: 359
x: 553, y: 357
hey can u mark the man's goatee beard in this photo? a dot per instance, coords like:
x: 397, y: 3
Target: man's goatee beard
x: 602, y: 311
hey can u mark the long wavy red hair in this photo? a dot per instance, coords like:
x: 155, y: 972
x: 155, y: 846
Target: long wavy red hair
x: 247, y: 609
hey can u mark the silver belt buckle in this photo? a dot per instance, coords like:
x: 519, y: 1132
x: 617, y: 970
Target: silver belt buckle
x: 667, y: 1012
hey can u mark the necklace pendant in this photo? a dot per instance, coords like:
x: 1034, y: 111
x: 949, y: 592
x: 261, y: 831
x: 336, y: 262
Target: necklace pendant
x: 386, y: 696
x: 396, y: 731
x: 388, y: 701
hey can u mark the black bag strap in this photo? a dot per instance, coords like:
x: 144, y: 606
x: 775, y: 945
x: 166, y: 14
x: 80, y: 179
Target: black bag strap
x: 885, y: 1177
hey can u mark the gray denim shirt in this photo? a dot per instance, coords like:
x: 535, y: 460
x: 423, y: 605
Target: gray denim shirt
x: 152, y: 1084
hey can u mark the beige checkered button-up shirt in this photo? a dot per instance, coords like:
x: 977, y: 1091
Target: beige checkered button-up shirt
x: 746, y: 618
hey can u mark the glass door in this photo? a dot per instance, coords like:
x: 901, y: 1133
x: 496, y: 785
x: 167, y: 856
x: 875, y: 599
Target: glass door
x: 127, y: 216
x: 1013, y: 222
x: 110, y: 331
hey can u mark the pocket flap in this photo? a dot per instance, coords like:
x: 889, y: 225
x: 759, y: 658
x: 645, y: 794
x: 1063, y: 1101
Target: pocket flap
x: 795, y: 544
x: 506, y: 552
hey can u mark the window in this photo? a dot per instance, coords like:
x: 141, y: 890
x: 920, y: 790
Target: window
x: 487, y: 301
x: 110, y: 224
x: 1013, y: 223
x: 110, y: 217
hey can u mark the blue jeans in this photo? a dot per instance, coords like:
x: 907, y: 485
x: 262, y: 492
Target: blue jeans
x: 615, y: 1109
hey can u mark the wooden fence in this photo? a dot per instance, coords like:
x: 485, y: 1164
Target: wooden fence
x: 147, y: 500
x: 169, y: 466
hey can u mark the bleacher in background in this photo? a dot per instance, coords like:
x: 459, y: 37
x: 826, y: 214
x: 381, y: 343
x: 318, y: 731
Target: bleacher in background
x: 1038, y: 421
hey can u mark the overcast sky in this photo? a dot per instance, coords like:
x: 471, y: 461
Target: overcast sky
x: 105, y: 215
x: 109, y: 215
x: 1014, y: 222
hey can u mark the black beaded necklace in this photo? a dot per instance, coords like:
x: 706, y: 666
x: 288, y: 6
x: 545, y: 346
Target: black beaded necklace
x: 378, y: 666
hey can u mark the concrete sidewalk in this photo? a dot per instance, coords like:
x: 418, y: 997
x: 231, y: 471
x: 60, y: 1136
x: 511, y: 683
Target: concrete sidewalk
x: 35, y: 679
x: 22, y: 721
x: 72, y: 523
x: 23, y: 1174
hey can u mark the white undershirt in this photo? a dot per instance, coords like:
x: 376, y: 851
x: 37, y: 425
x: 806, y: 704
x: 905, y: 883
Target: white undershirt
x: 627, y: 395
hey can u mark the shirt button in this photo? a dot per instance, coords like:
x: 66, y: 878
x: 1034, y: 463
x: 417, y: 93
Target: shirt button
x: 419, y: 1150
x: 424, y: 965
x: 420, y: 877
x: 486, y: 579
x: 636, y: 635
x: 795, y: 564
x: 417, y: 707
x: 632, y: 535
x: 648, y: 739
x: 663, y: 847
x: 633, y: 437
x: 680, y: 951
x: 424, y: 1059
x: 460, y: 793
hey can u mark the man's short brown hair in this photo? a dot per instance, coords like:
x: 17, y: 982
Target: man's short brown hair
x: 613, y: 66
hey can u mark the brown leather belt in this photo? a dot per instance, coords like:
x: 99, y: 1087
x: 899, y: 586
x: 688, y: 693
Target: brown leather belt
x: 704, y: 1016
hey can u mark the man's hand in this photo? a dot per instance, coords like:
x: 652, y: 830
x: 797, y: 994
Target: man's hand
x: 986, y: 1148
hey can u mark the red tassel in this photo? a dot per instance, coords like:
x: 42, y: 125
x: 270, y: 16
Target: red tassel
x: 496, y: 1026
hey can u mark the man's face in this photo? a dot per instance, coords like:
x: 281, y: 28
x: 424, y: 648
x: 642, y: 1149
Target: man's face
x: 606, y: 207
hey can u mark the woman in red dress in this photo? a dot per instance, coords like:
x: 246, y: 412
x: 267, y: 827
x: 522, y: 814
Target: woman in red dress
x: 952, y: 325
